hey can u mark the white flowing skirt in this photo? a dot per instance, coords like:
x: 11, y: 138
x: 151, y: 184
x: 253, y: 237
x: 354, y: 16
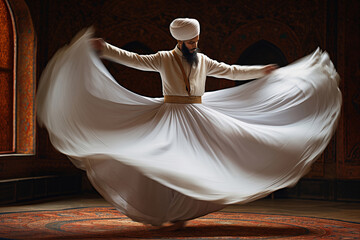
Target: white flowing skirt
x: 158, y: 162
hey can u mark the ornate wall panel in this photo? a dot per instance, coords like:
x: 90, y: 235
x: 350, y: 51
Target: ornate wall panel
x: 25, y: 79
x: 21, y: 80
x: 7, y: 95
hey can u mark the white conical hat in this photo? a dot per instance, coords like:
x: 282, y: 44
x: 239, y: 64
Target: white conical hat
x: 184, y: 28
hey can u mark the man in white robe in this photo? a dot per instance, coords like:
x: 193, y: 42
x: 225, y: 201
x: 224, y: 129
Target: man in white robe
x: 173, y: 73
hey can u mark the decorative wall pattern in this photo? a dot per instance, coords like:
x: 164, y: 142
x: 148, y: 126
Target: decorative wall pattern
x: 25, y: 79
x: 18, y: 106
x: 7, y: 65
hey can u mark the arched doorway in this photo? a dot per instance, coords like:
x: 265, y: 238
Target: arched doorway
x: 261, y: 53
x: 23, y: 77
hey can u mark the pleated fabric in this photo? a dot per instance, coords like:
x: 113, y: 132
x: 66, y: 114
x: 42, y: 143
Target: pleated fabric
x: 159, y: 162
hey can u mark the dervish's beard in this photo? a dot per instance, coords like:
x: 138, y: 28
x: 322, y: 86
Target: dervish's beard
x: 191, y: 57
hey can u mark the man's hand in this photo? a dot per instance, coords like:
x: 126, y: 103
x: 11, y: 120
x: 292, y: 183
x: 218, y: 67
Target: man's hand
x: 98, y: 44
x: 269, y: 68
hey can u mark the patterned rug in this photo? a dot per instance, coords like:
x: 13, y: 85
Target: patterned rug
x: 108, y: 223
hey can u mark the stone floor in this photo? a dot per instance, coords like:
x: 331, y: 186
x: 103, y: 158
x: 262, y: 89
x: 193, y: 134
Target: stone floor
x: 347, y: 211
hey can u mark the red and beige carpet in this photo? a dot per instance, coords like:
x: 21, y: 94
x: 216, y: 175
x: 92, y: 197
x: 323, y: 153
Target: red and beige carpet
x: 108, y: 223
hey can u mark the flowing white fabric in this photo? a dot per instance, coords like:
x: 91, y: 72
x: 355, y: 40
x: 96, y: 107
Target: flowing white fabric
x: 159, y: 162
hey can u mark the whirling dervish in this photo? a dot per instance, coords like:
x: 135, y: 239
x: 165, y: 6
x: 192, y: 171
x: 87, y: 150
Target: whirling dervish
x: 191, y: 152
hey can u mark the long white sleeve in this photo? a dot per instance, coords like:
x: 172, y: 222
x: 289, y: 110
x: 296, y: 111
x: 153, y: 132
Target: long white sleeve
x: 149, y: 62
x: 233, y: 72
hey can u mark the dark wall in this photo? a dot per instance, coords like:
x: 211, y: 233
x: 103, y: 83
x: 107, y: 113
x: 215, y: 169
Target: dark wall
x: 228, y: 29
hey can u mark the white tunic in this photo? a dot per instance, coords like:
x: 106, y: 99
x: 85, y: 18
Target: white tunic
x: 172, y: 78
x: 159, y: 162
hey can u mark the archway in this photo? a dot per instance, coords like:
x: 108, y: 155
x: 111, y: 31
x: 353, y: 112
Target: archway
x: 261, y: 53
x: 24, y: 80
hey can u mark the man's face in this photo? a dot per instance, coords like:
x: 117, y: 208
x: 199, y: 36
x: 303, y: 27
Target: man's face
x: 189, y: 50
x: 192, y: 44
